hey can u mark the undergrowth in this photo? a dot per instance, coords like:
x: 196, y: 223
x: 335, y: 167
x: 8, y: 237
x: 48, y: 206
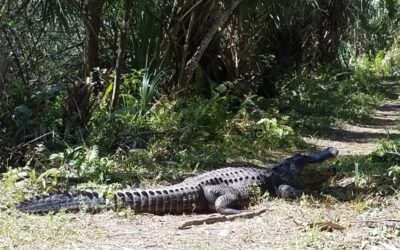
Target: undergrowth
x: 374, y: 175
x: 320, y: 100
x: 152, y: 138
x: 162, y: 140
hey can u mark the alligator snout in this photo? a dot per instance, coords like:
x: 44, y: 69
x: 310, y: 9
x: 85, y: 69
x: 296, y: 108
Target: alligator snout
x: 320, y: 156
x: 332, y: 151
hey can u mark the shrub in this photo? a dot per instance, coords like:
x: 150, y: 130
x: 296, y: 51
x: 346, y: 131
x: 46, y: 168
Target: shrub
x: 253, y: 131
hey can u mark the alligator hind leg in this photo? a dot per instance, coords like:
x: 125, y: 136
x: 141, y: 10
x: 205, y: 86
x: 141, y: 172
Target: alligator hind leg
x: 223, y: 198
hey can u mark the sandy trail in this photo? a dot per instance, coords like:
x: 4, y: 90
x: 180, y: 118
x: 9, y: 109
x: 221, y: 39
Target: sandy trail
x: 362, y: 139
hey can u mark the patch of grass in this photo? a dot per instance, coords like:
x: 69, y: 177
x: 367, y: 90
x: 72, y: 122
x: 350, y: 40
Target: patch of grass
x: 311, y: 239
x: 359, y: 167
x: 360, y: 205
x: 11, y: 189
x: 373, y: 175
x: 19, y: 230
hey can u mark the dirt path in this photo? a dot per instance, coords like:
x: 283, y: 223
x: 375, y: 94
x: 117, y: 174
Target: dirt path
x: 285, y: 226
x: 362, y: 139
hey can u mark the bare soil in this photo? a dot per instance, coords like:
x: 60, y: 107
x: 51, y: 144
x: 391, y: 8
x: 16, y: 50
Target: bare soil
x: 362, y: 139
x: 285, y: 226
x: 369, y: 224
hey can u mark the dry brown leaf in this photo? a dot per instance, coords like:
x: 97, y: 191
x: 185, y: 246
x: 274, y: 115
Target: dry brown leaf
x: 328, y: 226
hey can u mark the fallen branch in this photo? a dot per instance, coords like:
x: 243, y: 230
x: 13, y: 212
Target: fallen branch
x: 221, y: 218
x: 330, y: 226
x: 376, y: 221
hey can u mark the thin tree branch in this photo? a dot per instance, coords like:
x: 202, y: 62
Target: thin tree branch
x: 185, y: 48
x: 17, y: 62
x: 122, y: 44
x: 220, y: 21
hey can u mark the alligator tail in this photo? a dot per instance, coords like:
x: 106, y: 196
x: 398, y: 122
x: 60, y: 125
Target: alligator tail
x: 69, y: 201
x: 173, y: 199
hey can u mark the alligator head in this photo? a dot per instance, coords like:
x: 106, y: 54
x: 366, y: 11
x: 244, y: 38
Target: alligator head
x: 312, y: 177
x: 299, y: 172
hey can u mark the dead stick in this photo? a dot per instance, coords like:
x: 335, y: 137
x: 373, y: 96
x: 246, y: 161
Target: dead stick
x: 221, y: 218
x: 375, y: 221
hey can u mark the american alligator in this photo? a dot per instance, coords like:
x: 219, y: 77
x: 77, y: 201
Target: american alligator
x: 227, y: 190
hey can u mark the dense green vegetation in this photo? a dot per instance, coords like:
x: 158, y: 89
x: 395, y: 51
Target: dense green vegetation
x: 99, y: 92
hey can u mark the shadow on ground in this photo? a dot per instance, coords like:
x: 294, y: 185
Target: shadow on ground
x: 342, y: 135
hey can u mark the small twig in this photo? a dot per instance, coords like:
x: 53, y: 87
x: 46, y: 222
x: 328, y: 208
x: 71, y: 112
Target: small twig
x: 186, y: 47
x: 118, y: 246
x: 38, y: 138
x: 191, y: 8
x: 221, y: 218
x: 375, y: 221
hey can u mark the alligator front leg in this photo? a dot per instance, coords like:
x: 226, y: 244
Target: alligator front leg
x: 223, y: 198
x: 286, y: 191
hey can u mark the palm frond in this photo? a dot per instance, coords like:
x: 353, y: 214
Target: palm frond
x: 150, y: 84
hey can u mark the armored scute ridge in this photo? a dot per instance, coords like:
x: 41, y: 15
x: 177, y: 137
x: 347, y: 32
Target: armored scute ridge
x: 227, y: 190
x: 67, y: 200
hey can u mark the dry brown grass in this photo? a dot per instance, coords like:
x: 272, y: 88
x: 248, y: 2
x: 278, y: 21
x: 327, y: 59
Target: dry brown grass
x: 285, y: 226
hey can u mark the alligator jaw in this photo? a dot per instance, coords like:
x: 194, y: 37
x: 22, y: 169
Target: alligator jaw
x: 323, y: 155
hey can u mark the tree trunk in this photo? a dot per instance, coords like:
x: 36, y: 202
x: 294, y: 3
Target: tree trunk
x: 220, y: 21
x: 14, y: 53
x: 4, y: 58
x: 92, y: 25
x: 122, y: 44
